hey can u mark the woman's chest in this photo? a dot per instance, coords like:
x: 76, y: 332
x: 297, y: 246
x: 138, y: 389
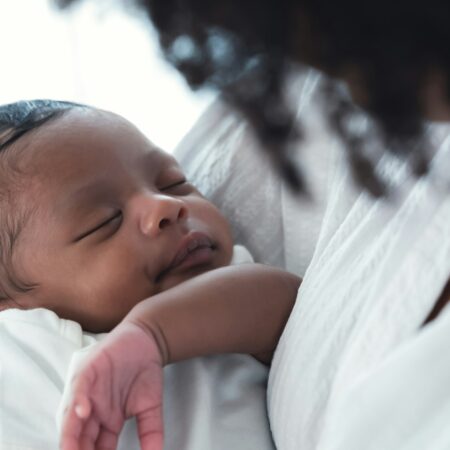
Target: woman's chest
x: 371, y: 289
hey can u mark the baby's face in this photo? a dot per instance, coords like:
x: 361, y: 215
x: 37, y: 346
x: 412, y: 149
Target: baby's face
x: 113, y: 220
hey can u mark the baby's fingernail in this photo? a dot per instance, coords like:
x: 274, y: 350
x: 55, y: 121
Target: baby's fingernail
x: 79, y: 411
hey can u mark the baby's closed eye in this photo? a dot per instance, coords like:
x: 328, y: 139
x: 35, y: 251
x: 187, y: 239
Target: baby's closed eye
x: 113, y: 220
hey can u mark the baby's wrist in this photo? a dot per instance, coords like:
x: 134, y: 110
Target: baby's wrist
x: 153, y: 334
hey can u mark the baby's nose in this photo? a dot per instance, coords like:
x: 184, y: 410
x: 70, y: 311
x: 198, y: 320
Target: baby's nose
x: 159, y: 212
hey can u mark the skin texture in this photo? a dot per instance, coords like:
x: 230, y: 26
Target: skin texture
x: 110, y: 213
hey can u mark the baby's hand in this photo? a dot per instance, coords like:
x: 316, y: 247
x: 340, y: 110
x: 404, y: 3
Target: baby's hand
x: 121, y: 379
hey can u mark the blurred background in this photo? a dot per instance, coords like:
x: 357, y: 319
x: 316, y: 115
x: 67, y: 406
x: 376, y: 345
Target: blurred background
x: 99, y: 53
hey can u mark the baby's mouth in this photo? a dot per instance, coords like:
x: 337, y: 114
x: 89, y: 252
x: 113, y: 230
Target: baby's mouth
x: 196, y: 249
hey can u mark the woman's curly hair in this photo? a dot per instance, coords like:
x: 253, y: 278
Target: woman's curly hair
x: 245, y: 49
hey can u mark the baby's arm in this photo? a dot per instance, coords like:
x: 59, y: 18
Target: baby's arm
x: 241, y: 309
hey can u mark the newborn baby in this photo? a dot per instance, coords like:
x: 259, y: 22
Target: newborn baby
x: 104, y: 230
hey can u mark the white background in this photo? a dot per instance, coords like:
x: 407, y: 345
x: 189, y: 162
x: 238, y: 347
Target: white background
x: 96, y: 53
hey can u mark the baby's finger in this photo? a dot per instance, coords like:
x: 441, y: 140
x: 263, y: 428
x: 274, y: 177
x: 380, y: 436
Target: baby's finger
x: 74, y: 423
x: 82, y: 407
x: 82, y: 385
x: 150, y: 429
x: 107, y: 440
x: 71, y: 429
x: 89, y: 435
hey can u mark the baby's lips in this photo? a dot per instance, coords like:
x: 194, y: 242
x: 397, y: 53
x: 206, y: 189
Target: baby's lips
x: 193, y: 241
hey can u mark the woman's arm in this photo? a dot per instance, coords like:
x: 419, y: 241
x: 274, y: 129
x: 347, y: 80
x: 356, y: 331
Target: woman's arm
x: 238, y: 309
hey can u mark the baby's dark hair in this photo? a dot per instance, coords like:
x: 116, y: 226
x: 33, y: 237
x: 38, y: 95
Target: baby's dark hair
x: 245, y: 50
x: 16, y: 120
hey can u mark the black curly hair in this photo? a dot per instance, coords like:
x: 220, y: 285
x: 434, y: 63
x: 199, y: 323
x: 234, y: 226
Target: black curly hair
x: 16, y: 120
x: 246, y: 49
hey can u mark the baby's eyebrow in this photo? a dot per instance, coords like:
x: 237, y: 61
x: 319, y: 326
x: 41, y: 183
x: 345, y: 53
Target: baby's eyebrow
x: 83, y: 197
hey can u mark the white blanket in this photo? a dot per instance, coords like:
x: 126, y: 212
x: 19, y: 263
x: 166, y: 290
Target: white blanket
x: 216, y: 402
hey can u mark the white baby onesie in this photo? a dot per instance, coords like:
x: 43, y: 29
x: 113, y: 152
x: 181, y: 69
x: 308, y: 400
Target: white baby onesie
x: 216, y: 402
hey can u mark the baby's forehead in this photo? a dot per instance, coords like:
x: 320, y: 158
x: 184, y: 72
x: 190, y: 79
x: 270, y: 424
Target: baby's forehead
x: 85, y: 146
x: 89, y: 134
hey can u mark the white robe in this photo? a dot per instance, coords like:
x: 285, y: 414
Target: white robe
x: 353, y: 355
x: 354, y: 369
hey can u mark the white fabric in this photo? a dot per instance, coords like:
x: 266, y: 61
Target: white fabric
x: 378, y: 269
x: 216, y: 402
x: 354, y: 369
x: 222, y: 157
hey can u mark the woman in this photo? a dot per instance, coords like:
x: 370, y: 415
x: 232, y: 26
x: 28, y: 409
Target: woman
x: 361, y: 363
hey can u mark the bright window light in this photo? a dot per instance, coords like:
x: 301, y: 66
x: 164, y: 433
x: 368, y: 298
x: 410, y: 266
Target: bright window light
x: 98, y: 55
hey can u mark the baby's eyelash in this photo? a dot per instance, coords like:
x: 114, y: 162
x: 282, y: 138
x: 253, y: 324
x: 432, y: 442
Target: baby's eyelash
x: 106, y: 222
x: 173, y: 185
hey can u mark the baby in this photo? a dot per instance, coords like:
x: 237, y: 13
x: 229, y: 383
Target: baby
x: 103, y: 228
